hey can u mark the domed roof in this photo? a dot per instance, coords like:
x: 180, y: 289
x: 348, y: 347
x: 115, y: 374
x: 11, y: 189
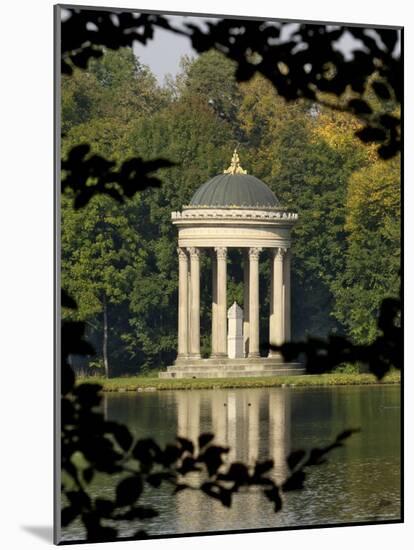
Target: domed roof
x: 234, y: 188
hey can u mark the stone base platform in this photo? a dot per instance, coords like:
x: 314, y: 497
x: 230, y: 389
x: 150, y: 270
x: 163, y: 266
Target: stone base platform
x: 231, y: 368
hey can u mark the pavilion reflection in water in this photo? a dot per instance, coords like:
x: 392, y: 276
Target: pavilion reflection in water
x: 256, y: 426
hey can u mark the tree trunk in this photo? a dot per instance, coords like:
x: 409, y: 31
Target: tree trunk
x: 105, y: 337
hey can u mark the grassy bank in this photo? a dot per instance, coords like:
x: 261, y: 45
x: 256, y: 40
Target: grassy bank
x: 144, y: 383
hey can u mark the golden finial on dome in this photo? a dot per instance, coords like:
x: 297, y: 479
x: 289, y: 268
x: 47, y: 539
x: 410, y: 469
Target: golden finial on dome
x: 235, y: 167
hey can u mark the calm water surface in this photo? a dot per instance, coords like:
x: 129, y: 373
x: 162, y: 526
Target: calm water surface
x: 361, y: 481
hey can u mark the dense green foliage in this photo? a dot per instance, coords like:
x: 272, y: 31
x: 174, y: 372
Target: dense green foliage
x: 119, y: 260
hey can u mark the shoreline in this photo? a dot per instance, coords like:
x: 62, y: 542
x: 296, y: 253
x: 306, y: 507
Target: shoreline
x: 146, y: 383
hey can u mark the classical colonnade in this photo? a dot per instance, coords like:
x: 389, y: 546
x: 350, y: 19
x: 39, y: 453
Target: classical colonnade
x: 189, y: 301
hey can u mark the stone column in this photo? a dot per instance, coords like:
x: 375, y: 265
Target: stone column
x: 277, y: 324
x: 214, y: 305
x: 182, y: 303
x: 195, y: 303
x: 286, y: 295
x: 254, y: 302
x: 271, y: 300
x: 246, y: 302
x: 189, y: 312
x: 221, y: 301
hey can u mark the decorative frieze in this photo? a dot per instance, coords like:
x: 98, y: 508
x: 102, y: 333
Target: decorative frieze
x: 234, y: 214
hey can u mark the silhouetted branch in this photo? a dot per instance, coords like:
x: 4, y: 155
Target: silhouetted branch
x: 85, y: 33
x: 82, y: 169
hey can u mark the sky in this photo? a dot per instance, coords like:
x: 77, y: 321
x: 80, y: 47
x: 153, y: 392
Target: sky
x: 163, y: 53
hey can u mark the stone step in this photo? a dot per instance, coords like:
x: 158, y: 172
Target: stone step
x: 229, y: 368
x: 224, y: 373
x: 227, y: 363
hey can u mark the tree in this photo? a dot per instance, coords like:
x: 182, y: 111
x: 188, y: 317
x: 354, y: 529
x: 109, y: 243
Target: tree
x: 372, y: 259
x: 211, y: 77
x: 98, y: 244
x: 127, y: 87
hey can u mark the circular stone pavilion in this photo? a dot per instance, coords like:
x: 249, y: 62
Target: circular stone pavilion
x: 232, y: 210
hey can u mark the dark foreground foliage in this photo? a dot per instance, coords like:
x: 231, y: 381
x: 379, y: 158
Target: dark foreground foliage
x: 133, y: 175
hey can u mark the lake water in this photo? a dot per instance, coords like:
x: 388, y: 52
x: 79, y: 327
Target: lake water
x: 360, y: 482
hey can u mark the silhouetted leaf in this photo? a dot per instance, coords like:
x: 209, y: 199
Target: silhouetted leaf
x: 371, y: 134
x: 67, y: 300
x: 273, y: 495
x: 128, y: 490
x: 80, y: 168
x: 180, y: 487
x: 381, y: 90
x: 205, y: 439
x: 89, y: 395
x: 389, y: 38
x: 186, y: 444
x: 121, y: 433
x: 88, y: 474
x: 294, y: 482
x: 68, y: 379
x: 72, y: 339
x: 69, y: 514
x: 212, y: 458
x: 156, y: 479
x: 294, y: 458
x: 316, y: 457
x: 171, y: 454
x: 263, y: 467
x: 104, y: 507
x: 96, y: 532
x: 346, y: 434
x: 216, y: 491
x: 237, y: 472
x: 147, y: 452
x: 359, y: 106
x: 189, y: 464
x: 79, y: 499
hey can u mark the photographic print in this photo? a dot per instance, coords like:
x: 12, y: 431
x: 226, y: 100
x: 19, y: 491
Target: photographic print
x: 228, y: 272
